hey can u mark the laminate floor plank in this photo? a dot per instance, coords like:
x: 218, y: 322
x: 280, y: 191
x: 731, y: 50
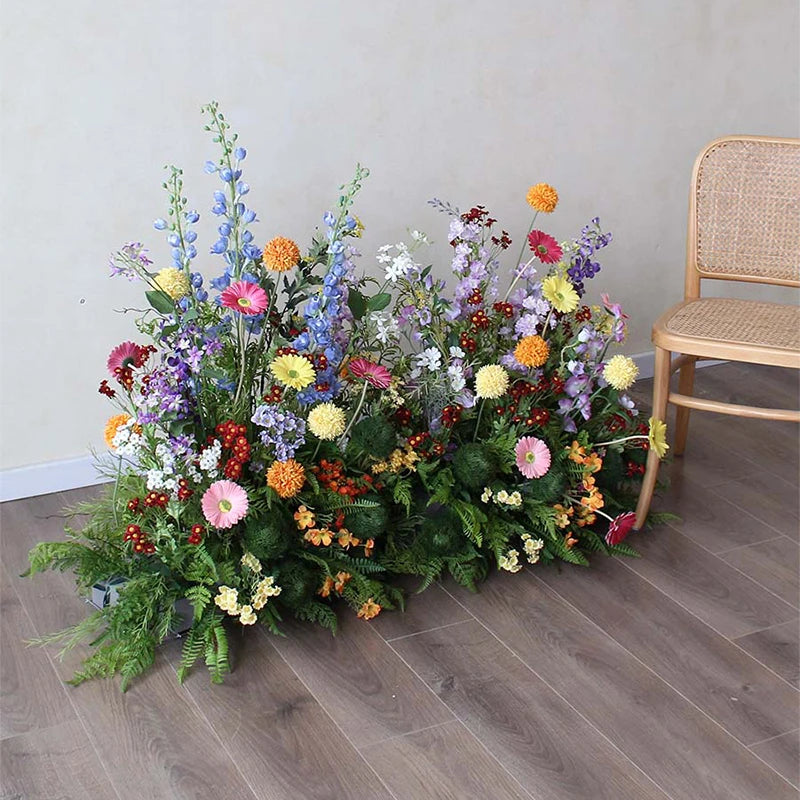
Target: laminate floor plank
x: 682, y: 750
x: 743, y: 696
x: 285, y: 744
x: 536, y: 735
x: 711, y: 589
x: 31, y: 695
x: 778, y: 648
x: 442, y: 763
x: 370, y: 693
x: 774, y: 564
x: 783, y: 754
x: 769, y: 498
x: 57, y: 762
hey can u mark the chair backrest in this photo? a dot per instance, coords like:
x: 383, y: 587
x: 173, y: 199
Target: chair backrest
x: 744, y: 212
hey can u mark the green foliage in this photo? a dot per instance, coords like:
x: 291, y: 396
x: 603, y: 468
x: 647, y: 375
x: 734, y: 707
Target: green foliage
x: 366, y: 523
x: 401, y: 493
x: 373, y: 435
x: 270, y: 536
x: 319, y: 613
x: 549, y: 488
x: 474, y: 465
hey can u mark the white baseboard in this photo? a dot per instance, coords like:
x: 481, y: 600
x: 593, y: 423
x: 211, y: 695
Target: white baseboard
x: 74, y: 473
x: 52, y: 476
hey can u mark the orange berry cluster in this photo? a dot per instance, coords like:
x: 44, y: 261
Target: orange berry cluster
x: 156, y: 499
x: 332, y: 476
x: 141, y: 544
x: 196, y: 535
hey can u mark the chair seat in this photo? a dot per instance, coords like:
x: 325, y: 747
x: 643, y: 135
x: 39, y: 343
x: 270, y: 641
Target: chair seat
x: 726, y: 328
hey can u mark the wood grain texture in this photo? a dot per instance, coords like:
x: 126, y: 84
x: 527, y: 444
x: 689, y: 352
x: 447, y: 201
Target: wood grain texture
x: 442, y: 763
x: 777, y: 647
x: 678, y: 746
x: 534, y: 733
x: 358, y: 679
x: 783, y: 754
x: 284, y: 743
x: 57, y: 762
x: 747, y: 699
x: 712, y: 590
x: 31, y: 695
x: 775, y: 565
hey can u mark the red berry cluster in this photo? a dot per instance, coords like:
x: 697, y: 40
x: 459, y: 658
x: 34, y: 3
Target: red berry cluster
x: 106, y: 389
x: 480, y: 215
x: 476, y: 298
x: 184, y: 492
x: 503, y: 241
x: 233, y: 438
x: 479, y: 320
x: 403, y: 416
x: 537, y: 417
x: 332, y: 476
x: 274, y: 395
x: 133, y: 506
x: 634, y: 469
x: 418, y: 440
x: 196, y: 535
x: 506, y: 309
x: 156, y: 499
x: 229, y: 431
x: 286, y: 351
x: 437, y: 449
x: 141, y: 544
x: 556, y: 385
x: 616, y: 423
x: 522, y: 389
x: 451, y: 415
x: 583, y: 314
x: 125, y: 376
x: 467, y: 343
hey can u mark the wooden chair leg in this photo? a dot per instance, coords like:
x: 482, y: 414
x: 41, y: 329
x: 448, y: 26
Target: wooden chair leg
x: 685, y: 386
x: 660, y: 395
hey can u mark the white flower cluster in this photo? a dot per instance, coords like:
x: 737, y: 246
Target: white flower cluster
x: 386, y: 328
x: 502, y: 497
x: 510, y: 561
x: 251, y: 562
x: 266, y: 588
x: 126, y: 441
x: 163, y: 477
x: 398, y: 265
x: 429, y: 359
x: 209, y: 459
x: 532, y: 547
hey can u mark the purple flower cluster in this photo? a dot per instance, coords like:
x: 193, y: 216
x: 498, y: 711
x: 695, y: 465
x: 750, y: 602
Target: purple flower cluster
x: 582, y: 267
x: 284, y: 431
x: 129, y: 260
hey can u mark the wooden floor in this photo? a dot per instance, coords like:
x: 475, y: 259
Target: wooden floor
x: 671, y: 676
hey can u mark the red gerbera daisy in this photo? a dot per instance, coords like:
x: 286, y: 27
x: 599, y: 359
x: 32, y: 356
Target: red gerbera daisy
x: 378, y: 376
x: 244, y: 297
x: 545, y: 247
x: 620, y: 527
x: 123, y: 355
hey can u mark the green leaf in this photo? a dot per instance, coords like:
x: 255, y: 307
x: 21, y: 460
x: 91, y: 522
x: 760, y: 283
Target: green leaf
x: 160, y: 301
x: 379, y: 302
x: 357, y: 303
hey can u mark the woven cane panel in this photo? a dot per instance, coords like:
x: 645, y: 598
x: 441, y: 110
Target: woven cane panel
x: 748, y: 210
x: 742, y: 321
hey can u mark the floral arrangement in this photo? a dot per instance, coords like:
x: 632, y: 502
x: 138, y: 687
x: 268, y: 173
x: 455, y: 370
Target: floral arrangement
x: 295, y: 433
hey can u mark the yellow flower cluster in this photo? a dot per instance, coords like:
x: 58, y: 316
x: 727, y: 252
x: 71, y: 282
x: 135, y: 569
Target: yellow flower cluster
x: 326, y: 421
x: 281, y: 254
x: 620, y: 372
x: 398, y: 461
x: 173, y: 282
x: 265, y: 589
x: 510, y: 561
x: 514, y: 499
x: 542, y: 197
x: 293, y: 371
x: 560, y: 293
x: 227, y: 599
x: 532, y: 547
x: 247, y: 616
x: 251, y: 562
x: 491, y: 382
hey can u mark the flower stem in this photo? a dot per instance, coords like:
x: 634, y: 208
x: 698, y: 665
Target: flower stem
x: 620, y: 441
x: 478, y: 423
x: 355, y: 413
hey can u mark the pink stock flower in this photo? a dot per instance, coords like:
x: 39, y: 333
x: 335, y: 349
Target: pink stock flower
x: 378, y: 376
x: 224, y: 504
x: 545, y: 247
x: 620, y: 527
x: 533, y: 457
x: 613, y: 308
x: 123, y: 355
x: 244, y: 297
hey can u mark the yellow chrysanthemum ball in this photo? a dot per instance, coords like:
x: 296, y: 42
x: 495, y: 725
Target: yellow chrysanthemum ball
x: 491, y: 382
x: 532, y: 351
x: 173, y: 282
x: 560, y: 293
x: 326, y: 421
x: 542, y: 197
x: 112, y: 426
x: 281, y: 254
x: 293, y: 371
x: 621, y: 372
x: 657, y: 436
x: 286, y: 477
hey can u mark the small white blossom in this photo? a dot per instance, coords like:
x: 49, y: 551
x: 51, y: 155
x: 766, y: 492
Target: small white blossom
x: 386, y: 327
x: 430, y: 359
x: 457, y: 379
x: 510, y: 561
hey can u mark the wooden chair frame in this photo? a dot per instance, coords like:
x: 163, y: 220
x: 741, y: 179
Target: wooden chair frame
x: 691, y: 349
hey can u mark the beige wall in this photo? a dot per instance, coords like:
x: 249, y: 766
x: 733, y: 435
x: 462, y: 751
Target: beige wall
x: 468, y: 101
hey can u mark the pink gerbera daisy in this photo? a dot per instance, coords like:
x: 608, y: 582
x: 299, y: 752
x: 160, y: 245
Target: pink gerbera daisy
x: 123, y: 355
x: 533, y: 457
x: 545, y: 247
x: 224, y: 504
x: 244, y: 297
x: 378, y: 376
x: 620, y: 527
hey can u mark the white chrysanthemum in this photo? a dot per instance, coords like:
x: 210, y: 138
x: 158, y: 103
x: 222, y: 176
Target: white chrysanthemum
x: 620, y: 372
x: 326, y: 421
x: 491, y: 382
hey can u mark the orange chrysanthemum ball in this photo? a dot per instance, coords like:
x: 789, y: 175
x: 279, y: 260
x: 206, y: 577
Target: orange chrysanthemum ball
x: 113, y: 425
x: 542, y: 197
x: 286, y: 477
x: 532, y: 351
x: 281, y: 254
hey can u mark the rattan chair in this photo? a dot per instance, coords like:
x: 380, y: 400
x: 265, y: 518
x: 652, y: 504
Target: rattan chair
x: 744, y: 225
